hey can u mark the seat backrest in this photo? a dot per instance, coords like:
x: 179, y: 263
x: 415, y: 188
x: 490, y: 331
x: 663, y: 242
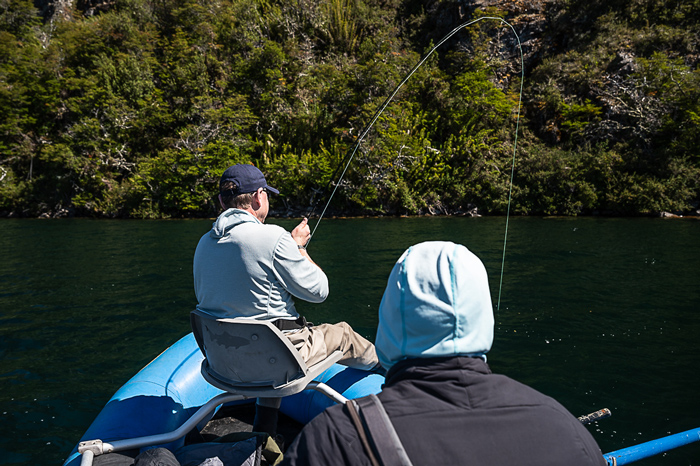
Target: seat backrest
x: 245, y: 352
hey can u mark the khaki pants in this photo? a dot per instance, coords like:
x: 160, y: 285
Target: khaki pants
x: 315, y: 343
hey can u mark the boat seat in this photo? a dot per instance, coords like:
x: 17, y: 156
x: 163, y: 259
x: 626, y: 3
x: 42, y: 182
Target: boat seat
x: 244, y: 358
x: 253, y: 358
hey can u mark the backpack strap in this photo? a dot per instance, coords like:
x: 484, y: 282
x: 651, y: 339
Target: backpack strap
x: 377, y: 433
x: 353, y: 409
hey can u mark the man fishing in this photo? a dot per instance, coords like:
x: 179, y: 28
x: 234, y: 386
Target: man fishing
x: 245, y: 268
x: 442, y: 401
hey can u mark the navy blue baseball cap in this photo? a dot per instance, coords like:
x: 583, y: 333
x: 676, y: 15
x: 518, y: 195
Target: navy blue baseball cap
x: 246, y: 179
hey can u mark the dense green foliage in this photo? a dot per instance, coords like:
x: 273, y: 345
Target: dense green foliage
x: 133, y: 108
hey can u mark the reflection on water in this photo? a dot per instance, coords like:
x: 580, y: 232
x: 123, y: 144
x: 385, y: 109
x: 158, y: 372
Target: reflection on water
x: 594, y: 312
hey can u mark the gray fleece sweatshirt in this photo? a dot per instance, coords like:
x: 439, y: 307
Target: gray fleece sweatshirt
x: 244, y: 268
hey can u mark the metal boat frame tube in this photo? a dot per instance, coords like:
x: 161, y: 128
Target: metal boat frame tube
x: 328, y: 391
x: 87, y: 458
x: 91, y: 448
x: 97, y: 447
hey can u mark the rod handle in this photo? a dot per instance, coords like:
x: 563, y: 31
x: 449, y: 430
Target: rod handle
x: 596, y: 416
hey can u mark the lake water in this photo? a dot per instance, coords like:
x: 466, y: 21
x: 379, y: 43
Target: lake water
x: 594, y: 312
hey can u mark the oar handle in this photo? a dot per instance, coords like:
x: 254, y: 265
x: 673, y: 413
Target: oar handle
x: 651, y: 448
x: 597, y: 416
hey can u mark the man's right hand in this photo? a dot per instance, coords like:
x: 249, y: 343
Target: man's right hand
x: 302, y: 233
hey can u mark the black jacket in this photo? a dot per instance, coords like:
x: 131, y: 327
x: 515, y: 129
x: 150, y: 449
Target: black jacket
x: 455, y: 411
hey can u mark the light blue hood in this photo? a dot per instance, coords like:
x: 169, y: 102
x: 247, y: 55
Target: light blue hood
x: 436, y: 303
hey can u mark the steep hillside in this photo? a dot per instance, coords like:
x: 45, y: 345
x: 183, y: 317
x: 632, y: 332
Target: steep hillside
x: 128, y: 108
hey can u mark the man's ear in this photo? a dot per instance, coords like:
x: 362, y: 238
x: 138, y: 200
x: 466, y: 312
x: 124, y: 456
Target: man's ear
x: 255, y: 202
x: 221, y: 202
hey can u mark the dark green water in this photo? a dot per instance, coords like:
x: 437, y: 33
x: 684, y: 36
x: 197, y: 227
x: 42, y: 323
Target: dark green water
x: 594, y: 312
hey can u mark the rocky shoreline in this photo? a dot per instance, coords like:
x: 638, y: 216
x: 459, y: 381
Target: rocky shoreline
x: 299, y: 213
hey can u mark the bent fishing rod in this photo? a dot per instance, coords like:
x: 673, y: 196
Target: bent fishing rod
x: 347, y: 160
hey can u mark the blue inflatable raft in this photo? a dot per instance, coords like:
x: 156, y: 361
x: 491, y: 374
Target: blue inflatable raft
x: 170, y: 389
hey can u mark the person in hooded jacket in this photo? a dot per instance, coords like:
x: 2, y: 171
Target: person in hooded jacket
x: 435, y: 328
x: 245, y: 268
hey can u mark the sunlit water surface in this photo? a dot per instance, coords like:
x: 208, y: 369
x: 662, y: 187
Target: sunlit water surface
x: 594, y: 312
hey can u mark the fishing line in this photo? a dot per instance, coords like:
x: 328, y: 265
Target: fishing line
x: 347, y: 160
x: 512, y: 169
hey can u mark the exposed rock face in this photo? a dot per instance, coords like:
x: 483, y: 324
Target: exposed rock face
x: 527, y: 17
x: 529, y: 21
x: 54, y: 9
